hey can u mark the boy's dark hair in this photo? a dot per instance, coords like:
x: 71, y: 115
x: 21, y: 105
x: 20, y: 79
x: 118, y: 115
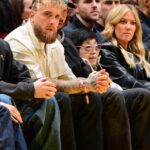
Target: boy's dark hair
x: 78, y: 36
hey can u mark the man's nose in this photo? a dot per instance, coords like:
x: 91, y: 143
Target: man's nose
x: 53, y: 20
x: 94, y: 3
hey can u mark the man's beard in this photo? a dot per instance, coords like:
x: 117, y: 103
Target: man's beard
x: 45, y: 37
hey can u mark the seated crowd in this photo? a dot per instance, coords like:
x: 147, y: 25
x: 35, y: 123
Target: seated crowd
x: 75, y: 75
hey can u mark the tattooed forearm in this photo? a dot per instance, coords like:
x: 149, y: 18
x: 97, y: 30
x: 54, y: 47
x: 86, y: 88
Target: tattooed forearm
x: 74, y: 86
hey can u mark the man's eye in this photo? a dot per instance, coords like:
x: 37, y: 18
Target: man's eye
x: 57, y: 17
x: 47, y: 14
x: 108, y: 2
x: 87, y: 1
x: 90, y: 1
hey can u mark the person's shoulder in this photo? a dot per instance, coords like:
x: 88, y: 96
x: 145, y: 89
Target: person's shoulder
x: 67, y: 29
x: 109, y: 48
x: 107, y: 44
x: 71, y: 25
x: 4, y: 49
x: 17, y: 33
x: 4, y: 44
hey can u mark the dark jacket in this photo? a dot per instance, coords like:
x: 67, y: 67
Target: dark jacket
x: 120, y: 72
x: 145, y: 22
x: 72, y: 57
x: 77, y: 65
x: 15, y: 80
x: 75, y: 23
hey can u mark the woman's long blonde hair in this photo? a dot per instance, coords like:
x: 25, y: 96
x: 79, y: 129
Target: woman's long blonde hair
x: 136, y: 44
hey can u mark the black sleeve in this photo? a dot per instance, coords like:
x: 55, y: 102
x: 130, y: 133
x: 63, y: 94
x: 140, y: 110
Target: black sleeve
x: 78, y: 67
x: 113, y: 61
x: 15, y: 80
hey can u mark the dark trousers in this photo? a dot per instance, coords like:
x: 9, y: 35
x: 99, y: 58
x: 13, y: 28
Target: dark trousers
x: 87, y: 120
x: 94, y: 125
x: 66, y: 128
x: 116, y: 129
x: 11, y: 137
x: 116, y: 121
x: 81, y: 127
x: 41, y: 124
x: 138, y: 105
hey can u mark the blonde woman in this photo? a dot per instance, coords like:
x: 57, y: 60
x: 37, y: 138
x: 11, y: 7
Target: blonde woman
x: 125, y: 57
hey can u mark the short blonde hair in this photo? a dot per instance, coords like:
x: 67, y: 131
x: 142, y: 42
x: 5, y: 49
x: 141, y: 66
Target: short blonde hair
x: 53, y: 2
x: 136, y: 44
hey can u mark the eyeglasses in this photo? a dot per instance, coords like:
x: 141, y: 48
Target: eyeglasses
x: 90, y: 48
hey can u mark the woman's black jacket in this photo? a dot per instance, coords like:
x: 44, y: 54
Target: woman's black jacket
x: 113, y: 61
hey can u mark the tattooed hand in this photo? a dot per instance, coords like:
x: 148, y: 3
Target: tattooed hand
x: 99, y: 80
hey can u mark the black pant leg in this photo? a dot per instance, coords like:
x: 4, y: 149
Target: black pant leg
x: 67, y: 129
x: 138, y: 105
x: 115, y: 121
x: 87, y: 121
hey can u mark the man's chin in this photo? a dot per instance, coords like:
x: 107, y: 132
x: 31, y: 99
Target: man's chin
x: 95, y: 18
x: 49, y: 41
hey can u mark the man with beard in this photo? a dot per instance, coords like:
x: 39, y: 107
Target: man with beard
x: 86, y: 17
x: 35, y: 45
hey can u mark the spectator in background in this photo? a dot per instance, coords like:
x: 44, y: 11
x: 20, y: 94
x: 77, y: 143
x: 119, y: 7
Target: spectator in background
x: 8, y: 18
x: 144, y: 14
x: 22, y: 9
x: 71, y: 7
x: 131, y: 2
x: 105, y: 7
x: 86, y: 17
x: 12, y: 14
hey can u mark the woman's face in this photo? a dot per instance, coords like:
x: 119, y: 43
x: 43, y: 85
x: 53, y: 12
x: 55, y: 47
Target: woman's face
x: 90, y: 51
x: 125, y: 29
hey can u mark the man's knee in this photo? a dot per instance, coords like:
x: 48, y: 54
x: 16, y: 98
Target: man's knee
x: 114, y: 96
x: 3, y: 111
x: 139, y: 97
x: 63, y: 99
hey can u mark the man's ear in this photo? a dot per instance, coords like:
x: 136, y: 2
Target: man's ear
x: 75, y: 5
x: 76, y: 8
